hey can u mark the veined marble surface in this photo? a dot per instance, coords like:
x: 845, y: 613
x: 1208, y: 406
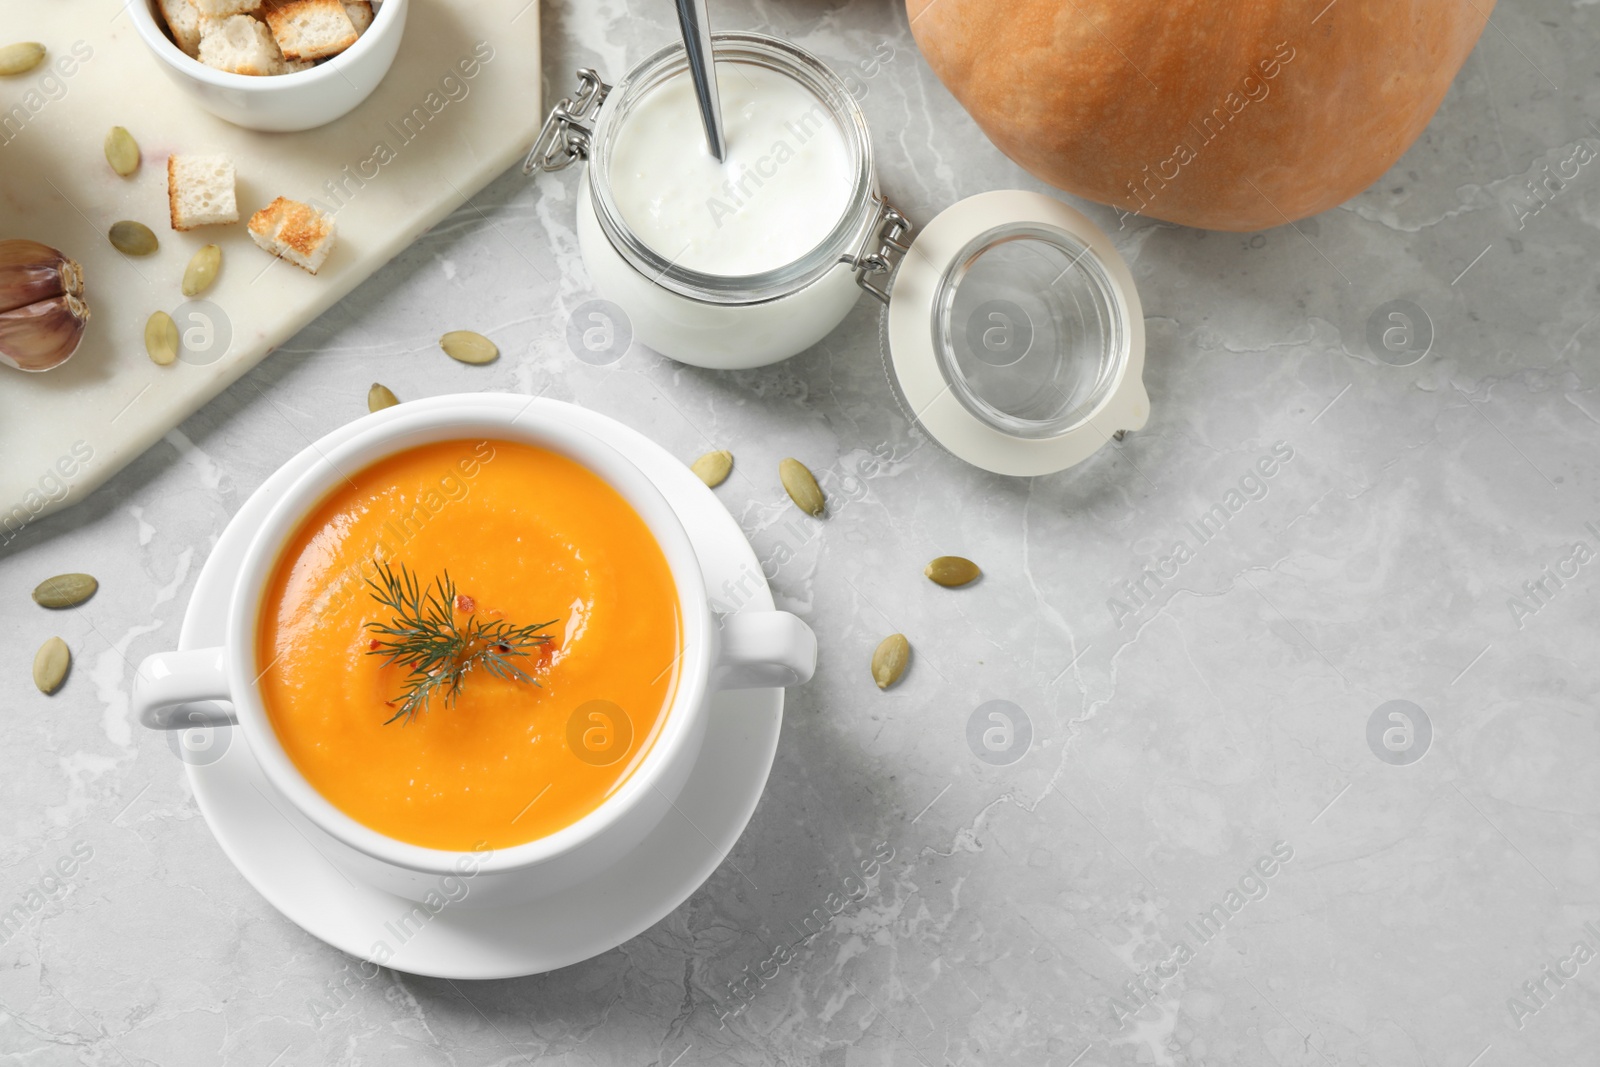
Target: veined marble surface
x: 1202, y: 747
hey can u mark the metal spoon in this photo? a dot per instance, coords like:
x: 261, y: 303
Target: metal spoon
x: 696, y: 27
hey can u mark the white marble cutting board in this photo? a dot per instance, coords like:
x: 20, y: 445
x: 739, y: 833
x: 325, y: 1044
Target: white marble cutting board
x: 65, y: 431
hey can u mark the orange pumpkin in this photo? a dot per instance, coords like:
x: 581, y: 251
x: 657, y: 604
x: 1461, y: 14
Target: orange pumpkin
x: 1209, y: 113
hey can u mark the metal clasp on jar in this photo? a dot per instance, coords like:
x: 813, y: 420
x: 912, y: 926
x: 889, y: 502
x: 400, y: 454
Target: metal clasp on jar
x: 564, y: 138
x: 892, y: 227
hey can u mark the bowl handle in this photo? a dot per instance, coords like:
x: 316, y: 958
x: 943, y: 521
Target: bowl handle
x: 762, y: 650
x: 167, y: 681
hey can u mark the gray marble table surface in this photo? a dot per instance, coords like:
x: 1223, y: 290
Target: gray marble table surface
x: 1216, y: 741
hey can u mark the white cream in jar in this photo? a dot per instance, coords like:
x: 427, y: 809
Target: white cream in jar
x: 786, y: 179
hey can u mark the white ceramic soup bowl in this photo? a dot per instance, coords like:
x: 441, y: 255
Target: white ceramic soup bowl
x: 299, y: 101
x: 752, y: 649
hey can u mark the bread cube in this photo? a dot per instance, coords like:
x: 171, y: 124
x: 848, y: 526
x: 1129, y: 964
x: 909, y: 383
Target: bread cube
x: 294, y: 231
x: 240, y: 45
x: 200, y: 191
x: 310, y: 29
x: 360, y: 12
x: 183, y: 22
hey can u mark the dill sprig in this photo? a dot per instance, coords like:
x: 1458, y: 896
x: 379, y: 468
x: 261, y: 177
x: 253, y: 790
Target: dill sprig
x: 425, y: 637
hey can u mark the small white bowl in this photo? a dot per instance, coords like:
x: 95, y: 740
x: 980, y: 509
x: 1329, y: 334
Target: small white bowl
x: 281, y: 102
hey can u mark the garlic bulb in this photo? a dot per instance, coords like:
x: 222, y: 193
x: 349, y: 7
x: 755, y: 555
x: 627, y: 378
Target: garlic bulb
x: 42, y: 315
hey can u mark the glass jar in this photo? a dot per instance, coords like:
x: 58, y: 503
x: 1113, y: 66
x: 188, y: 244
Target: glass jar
x: 710, y: 320
x: 1014, y: 336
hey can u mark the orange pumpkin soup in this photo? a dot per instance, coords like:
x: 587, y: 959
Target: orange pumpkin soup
x: 526, y: 536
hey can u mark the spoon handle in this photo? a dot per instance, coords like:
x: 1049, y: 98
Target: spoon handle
x: 696, y: 27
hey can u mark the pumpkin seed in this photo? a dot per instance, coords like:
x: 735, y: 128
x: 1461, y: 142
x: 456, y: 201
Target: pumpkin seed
x: 133, y: 238
x: 65, y: 590
x: 801, y: 486
x: 468, y: 347
x: 951, y: 571
x: 161, y: 338
x: 380, y: 397
x: 122, y: 151
x: 713, y: 467
x: 202, y: 270
x: 50, y: 665
x: 20, y: 58
x: 889, y: 661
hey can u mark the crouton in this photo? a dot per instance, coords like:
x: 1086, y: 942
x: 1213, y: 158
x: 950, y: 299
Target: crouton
x: 240, y: 45
x: 360, y: 12
x: 183, y: 22
x: 294, y: 231
x: 310, y: 29
x: 200, y: 191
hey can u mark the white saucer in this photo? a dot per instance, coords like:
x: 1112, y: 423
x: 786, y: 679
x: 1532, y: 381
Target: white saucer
x: 271, y: 844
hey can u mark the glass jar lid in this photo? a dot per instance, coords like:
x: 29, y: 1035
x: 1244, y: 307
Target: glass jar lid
x: 1015, y: 335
